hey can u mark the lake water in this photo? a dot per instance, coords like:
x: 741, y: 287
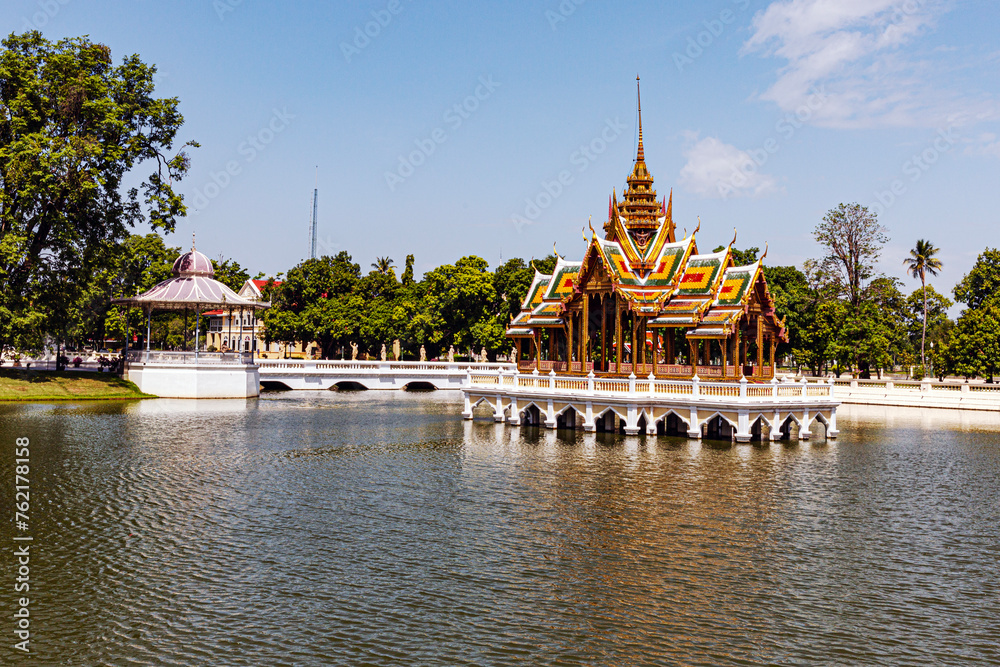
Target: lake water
x: 380, y: 529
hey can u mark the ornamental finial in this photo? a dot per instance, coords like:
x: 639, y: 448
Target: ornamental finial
x: 192, y: 241
x: 640, y: 154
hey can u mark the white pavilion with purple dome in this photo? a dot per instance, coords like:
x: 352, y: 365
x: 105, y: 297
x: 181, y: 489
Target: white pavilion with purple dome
x: 197, y: 374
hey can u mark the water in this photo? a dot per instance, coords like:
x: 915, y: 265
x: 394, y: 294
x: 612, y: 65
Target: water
x: 380, y: 529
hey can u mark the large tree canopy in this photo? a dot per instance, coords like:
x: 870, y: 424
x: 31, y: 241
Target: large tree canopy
x: 852, y: 239
x: 72, y: 127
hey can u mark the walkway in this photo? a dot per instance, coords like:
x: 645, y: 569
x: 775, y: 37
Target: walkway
x: 309, y: 374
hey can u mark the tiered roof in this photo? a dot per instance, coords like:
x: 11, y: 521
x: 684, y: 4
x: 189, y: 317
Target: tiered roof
x: 658, y: 277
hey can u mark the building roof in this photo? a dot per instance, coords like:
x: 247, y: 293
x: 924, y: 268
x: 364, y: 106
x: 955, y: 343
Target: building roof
x: 659, y: 278
x: 192, y: 287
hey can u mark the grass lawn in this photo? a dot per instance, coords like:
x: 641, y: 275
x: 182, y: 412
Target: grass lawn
x: 19, y: 384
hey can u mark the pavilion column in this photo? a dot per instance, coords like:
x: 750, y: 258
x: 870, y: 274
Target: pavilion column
x: 724, y: 345
x: 538, y: 350
x: 760, y: 345
x: 635, y: 352
x: 618, y: 336
x: 694, y: 356
x: 640, y: 327
x: 584, y: 331
x: 656, y: 350
x: 149, y: 329
x: 774, y: 363
x: 604, y: 334
x: 569, y: 339
x: 741, y: 351
x: 197, y: 329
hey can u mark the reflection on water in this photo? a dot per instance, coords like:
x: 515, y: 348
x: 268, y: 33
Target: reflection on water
x: 378, y: 528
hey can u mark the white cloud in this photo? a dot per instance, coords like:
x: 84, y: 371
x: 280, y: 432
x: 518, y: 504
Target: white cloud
x: 719, y: 170
x: 984, y: 144
x: 854, y: 50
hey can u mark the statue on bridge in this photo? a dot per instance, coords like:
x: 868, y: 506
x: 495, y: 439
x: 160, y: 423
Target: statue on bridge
x: 396, y: 350
x: 423, y: 353
x: 451, y: 354
x: 383, y: 354
x: 483, y: 358
x: 354, y: 351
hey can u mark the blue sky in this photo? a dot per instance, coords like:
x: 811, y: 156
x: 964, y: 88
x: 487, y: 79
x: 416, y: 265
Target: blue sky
x: 444, y: 129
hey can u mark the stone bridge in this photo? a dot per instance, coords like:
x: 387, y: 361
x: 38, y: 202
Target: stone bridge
x: 310, y: 374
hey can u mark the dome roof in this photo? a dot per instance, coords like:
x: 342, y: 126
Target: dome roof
x: 193, y: 263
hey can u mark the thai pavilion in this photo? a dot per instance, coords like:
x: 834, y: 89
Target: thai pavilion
x: 642, y: 302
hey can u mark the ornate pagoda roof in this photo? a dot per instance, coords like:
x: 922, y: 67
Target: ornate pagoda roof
x: 660, y: 278
x: 193, y: 286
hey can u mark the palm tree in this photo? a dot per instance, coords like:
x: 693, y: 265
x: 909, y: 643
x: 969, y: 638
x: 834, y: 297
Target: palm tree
x: 921, y: 262
x: 383, y: 265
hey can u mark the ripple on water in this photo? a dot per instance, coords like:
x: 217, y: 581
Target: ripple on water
x: 324, y: 528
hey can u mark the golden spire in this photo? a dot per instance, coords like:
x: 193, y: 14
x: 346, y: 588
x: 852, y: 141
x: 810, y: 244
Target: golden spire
x: 640, y: 208
x: 640, y: 154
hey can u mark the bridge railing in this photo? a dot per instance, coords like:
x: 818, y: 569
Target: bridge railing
x: 787, y: 390
x: 853, y: 386
x: 189, y: 358
x: 296, y: 366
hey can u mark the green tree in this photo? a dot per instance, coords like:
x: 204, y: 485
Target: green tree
x: 72, y: 127
x: 974, y: 347
x: 407, y: 278
x: 852, y: 239
x: 982, y: 283
x: 922, y: 261
x: 794, y: 301
x: 928, y: 316
x: 383, y: 265
x: 742, y: 257
x: 317, y: 302
x: 459, y: 307
x: 511, y: 281
x: 230, y: 273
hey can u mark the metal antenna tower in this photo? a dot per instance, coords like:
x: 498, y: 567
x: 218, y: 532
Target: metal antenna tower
x: 312, y: 249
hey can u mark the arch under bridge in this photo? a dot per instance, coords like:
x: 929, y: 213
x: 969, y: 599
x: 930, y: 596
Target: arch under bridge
x: 326, y: 374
